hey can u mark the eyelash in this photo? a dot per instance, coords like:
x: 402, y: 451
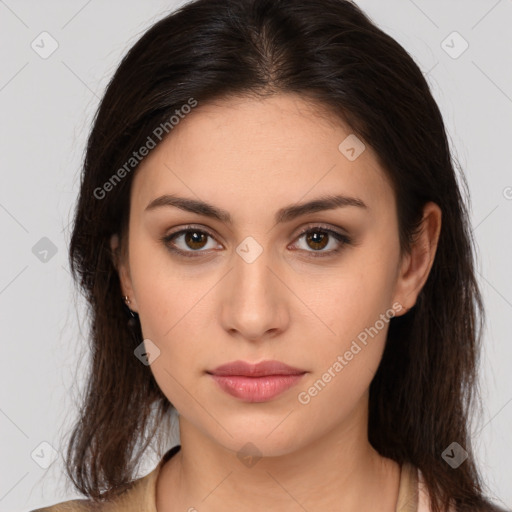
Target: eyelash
x: 341, y: 238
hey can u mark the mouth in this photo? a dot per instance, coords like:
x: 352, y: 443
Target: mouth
x: 256, y: 382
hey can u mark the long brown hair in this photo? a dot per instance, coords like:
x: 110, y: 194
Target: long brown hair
x: 329, y: 51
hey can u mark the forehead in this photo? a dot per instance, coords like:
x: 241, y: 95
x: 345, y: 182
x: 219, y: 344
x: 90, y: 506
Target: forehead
x: 243, y: 152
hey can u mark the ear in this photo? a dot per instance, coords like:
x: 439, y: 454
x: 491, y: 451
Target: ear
x: 415, y: 266
x: 123, y: 269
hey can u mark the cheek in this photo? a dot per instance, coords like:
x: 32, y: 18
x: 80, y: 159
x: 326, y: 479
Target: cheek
x: 163, y: 293
x: 346, y: 361
x: 355, y: 308
x: 171, y: 304
x: 353, y: 297
x: 348, y: 353
x: 333, y: 394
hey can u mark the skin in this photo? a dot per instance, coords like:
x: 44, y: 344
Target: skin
x: 252, y: 157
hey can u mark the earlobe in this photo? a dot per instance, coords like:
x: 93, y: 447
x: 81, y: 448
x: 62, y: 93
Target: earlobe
x: 415, y: 266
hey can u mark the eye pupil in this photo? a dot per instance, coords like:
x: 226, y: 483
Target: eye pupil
x: 191, y: 238
x: 317, y: 238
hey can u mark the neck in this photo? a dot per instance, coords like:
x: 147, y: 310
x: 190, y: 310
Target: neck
x: 339, y: 471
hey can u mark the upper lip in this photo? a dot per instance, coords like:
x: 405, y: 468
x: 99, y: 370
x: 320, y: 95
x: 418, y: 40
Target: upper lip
x: 262, y: 368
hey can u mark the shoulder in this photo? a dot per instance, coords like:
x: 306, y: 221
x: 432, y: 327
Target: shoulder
x: 81, y: 505
x: 140, y: 495
x: 123, y: 503
x: 132, y: 500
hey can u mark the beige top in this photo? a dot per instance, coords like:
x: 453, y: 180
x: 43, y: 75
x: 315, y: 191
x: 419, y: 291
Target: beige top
x: 142, y: 496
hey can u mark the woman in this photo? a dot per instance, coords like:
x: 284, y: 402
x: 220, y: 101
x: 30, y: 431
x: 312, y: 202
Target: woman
x: 269, y: 197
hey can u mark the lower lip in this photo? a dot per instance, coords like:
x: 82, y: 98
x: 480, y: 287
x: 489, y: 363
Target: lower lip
x: 256, y: 389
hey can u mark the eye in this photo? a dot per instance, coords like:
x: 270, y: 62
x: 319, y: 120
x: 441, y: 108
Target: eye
x: 191, y: 240
x: 320, y: 237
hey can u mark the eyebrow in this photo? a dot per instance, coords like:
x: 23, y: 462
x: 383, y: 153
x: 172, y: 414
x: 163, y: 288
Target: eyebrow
x: 286, y: 214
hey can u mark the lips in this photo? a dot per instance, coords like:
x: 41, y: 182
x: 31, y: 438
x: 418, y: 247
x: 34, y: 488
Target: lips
x: 256, y: 382
x: 263, y: 368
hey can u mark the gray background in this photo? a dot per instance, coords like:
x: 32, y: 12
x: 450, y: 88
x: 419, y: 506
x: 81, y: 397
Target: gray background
x: 47, y: 106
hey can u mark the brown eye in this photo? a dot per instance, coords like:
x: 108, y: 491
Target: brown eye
x: 195, y: 239
x: 317, y: 239
x: 189, y: 242
x: 193, y: 242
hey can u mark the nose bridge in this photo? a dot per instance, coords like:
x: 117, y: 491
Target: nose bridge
x: 252, y: 272
x: 253, y: 303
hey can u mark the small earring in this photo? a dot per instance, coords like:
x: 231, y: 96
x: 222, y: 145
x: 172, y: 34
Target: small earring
x: 127, y: 301
x: 132, y: 321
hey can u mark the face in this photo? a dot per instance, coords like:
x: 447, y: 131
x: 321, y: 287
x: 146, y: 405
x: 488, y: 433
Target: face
x: 313, y: 288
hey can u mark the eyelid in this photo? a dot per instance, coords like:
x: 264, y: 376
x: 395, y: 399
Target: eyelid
x: 190, y: 227
x: 320, y: 226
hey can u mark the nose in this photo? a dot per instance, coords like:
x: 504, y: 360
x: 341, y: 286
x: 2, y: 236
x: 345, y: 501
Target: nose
x: 255, y: 300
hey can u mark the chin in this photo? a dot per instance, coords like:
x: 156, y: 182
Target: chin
x: 258, y: 443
